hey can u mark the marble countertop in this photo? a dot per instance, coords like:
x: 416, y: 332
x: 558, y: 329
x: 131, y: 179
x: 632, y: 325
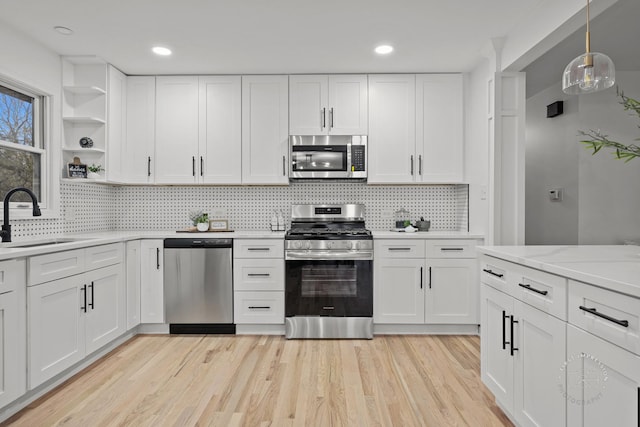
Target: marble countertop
x: 615, y: 267
x: 389, y: 234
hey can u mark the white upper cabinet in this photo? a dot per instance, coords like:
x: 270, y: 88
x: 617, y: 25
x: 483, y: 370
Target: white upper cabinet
x: 333, y: 105
x: 265, y: 129
x: 439, y: 128
x: 220, y: 148
x: 137, y: 153
x: 392, y: 129
x: 116, y: 119
x: 176, y: 129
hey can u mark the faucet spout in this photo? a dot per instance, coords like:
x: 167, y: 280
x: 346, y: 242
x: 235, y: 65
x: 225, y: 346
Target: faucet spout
x: 6, y: 228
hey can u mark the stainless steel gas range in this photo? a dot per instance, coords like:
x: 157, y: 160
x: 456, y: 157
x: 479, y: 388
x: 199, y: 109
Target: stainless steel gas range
x: 329, y: 273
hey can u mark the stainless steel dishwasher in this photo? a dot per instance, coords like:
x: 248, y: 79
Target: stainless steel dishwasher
x: 198, y: 286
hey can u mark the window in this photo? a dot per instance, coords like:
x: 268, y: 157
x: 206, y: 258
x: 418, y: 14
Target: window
x: 22, y: 151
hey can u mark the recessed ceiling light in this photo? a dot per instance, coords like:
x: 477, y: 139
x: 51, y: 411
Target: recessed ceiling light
x: 384, y: 49
x: 162, y: 51
x: 63, y: 30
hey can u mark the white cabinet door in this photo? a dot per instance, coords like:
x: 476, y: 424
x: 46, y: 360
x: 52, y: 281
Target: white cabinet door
x: 451, y: 295
x: 603, y: 382
x: 440, y: 124
x: 106, y: 314
x: 176, y: 129
x: 392, y: 129
x: 132, y: 275
x: 116, y: 120
x: 265, y: 129
x: 495, y: 356
x: 151, y: 281
x: 541, y: 342
x: 138, y: 158
x: 348, y: 105
x: 308, y: 105
x: 56, y: 327
x: 220, y: 152
x: 12, y: 349
x: 398, y: 291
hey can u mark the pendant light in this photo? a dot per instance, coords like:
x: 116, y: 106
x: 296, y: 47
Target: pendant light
x: 589, y: 72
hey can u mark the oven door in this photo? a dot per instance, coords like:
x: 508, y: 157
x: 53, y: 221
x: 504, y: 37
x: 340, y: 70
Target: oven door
x: 329, y: 287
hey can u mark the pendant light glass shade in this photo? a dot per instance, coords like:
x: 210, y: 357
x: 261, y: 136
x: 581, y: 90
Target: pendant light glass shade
x: 589, y: 72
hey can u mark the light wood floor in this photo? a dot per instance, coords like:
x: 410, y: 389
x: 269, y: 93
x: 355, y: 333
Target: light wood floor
x: 262, y: 381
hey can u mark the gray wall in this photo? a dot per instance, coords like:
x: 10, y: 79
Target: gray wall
x: 601, y: 202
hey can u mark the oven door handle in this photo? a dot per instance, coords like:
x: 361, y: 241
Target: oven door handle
x: 328, y: 255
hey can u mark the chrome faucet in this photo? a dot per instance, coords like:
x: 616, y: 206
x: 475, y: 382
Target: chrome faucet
x: 6, y: 228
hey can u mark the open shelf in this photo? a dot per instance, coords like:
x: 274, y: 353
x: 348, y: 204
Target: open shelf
x: 84, y: 120
x: 85, y: 90
x: 84, y: 150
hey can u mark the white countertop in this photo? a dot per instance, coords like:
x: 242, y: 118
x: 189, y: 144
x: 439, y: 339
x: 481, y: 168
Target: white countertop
x: 611, y: 267
x: 105, y: 237
x: 388, y: 234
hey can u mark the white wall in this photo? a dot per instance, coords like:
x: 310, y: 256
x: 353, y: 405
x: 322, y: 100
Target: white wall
x: 601, y: 201
x: 551, y: 162
x: 609, y: 208
x: 27, y: 63
x: 476, y: 155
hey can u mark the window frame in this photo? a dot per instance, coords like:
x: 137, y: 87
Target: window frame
x: 42, y: 145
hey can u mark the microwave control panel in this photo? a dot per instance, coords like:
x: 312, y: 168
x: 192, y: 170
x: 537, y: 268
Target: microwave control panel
x: 357, y: 158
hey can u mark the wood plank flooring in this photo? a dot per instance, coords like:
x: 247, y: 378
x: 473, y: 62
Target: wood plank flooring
x: 269, y: 381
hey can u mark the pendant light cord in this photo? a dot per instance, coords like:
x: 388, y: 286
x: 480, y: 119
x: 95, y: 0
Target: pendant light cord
x: 588, y: 35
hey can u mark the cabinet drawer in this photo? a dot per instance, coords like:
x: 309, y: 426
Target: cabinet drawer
x: 495, y: 272
x: 10, y: 273
x: 258, y: 307
x: 258, y: 275
x: 258, y: 248
x: 451, y: 248
x: 399, y: 248
x: 44, y: 268
x: 609, y: 315
x: 103, y: 255
x: 544, y: 291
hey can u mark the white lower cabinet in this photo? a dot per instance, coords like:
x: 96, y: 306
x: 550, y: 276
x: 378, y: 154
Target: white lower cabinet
x: 133, y: 269
x: 603, y: 382
x: 258, y: 281
x: 416, y: 284
x: 152, y: 281
x: 13, y: 346
x: 523, y: 352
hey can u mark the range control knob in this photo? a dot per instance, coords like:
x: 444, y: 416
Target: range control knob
x: 347, y: 245
x: 296, y: 244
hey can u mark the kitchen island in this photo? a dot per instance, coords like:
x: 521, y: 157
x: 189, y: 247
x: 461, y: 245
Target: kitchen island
x: 560, y: 333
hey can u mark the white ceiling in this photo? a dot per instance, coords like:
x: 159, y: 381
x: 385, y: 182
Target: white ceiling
x: 271, y: 36
x: 615, y: 32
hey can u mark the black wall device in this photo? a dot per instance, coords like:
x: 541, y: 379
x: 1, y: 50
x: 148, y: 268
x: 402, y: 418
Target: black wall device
x: 554, y: 109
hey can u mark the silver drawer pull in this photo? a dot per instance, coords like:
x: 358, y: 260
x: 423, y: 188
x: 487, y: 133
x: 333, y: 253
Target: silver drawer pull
x: 593, y: 311
x: 493, y: 273
x: 258, y: 249
x: 452, y: 249
x: 258, y: 274
x: 399, y: 249
x: 259, y: 307
x: 529, y: 288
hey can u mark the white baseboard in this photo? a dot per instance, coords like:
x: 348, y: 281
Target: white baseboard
x: 259, y: 329
x: 394, y: 329
x: 153, y: 328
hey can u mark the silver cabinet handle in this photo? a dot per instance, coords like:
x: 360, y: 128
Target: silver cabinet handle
x: 420, y: 164
x: 258, y: 274
x: 322, y: 118
x: 412, y: 165
x: 284, y: 166
x: 330, y: 117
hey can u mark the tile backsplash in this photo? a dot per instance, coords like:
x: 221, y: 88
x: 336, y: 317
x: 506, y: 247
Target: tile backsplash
x: 94, y: 207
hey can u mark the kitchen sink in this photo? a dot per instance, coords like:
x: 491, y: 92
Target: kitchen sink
x: 44, y: 242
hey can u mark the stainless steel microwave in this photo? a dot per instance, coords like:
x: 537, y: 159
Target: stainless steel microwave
x: 328, y: 157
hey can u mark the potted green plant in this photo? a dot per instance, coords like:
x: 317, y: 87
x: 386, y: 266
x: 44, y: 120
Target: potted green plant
x: 200, y: 219
x: 94, y: 171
